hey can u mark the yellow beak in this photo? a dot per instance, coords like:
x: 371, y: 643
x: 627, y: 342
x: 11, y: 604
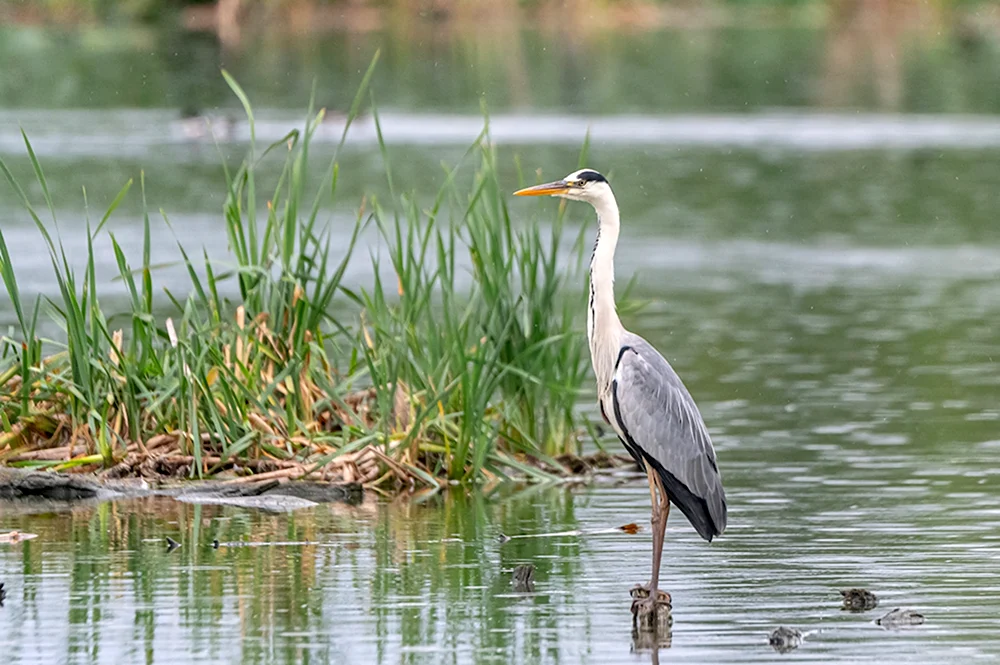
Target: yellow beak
x: 556, y: 187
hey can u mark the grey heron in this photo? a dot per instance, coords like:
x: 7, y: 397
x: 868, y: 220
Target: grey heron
x: 641, y: 396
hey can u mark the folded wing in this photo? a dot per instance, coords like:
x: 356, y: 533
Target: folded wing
x: 660, y: 423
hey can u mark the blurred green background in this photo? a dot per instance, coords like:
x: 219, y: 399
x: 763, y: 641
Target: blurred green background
x: 588, y: 56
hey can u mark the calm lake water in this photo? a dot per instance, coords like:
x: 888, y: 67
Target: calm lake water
x: 825, y: 276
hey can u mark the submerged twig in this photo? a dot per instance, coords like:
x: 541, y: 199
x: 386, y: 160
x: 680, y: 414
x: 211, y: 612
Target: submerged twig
x: 631, y: 528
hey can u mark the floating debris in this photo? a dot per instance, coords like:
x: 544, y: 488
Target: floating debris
x: 899, y: 618
x: 859, y: 600
x: 784, y: 639
x: 172, y: 544
x: 216, y: 544
x: 524, y: 577
x: 630, y: 529
x: 16, y: 537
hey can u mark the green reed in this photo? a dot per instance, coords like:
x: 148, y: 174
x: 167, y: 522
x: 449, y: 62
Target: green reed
x: 472, y: 357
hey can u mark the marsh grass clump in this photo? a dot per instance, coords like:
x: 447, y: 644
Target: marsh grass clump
x: 468, y: 367
x: 494, y: 371
x: 215, y: 382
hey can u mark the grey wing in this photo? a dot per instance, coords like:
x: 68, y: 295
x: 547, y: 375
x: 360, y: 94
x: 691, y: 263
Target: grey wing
x: 659, y: 418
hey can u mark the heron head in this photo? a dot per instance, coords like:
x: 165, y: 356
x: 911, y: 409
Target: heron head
x: 583, y: 185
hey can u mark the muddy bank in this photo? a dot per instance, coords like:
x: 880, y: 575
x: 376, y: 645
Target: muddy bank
x: 29, y: 491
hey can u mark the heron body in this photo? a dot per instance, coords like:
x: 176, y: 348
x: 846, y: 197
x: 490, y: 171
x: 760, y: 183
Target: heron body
x: 640, y: 395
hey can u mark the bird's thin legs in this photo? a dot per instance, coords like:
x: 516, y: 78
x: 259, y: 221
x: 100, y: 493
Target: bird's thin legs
x: 661, y: 510
x: 647, y: 599
x: 654, y: 482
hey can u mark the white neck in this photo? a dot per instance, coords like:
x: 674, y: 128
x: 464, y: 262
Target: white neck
x: 604, y: 329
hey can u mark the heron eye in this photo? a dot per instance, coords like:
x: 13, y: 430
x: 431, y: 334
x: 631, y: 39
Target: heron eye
x: 581, y: 183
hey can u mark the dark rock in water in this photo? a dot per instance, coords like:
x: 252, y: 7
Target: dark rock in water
x: 250, y: 489
x: 3, y: 594
x: 18, y: 484
x: 524, y: 577
x: 298, y: 489
x: 899, y: 618
x: 784, y: 639
x: 859, y: 600
x: 320, y: 492
x: 172, y: 544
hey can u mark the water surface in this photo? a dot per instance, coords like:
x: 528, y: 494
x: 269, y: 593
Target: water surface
x: 856, y: 425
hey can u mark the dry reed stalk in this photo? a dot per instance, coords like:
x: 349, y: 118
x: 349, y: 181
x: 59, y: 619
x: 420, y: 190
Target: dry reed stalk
x: 161, y: 440
x: 241, y: 314
x: 260, y: 424
x: 287, y: 474
x: 49, y: 454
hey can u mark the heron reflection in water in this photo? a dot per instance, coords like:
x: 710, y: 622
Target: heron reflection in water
x: 641, y: 396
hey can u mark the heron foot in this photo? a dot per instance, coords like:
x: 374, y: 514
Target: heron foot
x: 641, y: 592
x: 649, y: 612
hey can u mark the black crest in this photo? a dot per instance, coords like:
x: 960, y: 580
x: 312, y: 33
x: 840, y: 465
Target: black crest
x: 590, y: 175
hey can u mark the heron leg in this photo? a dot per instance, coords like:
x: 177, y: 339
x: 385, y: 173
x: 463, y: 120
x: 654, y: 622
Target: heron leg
x: 648, y: 598
x: 661, y: 510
